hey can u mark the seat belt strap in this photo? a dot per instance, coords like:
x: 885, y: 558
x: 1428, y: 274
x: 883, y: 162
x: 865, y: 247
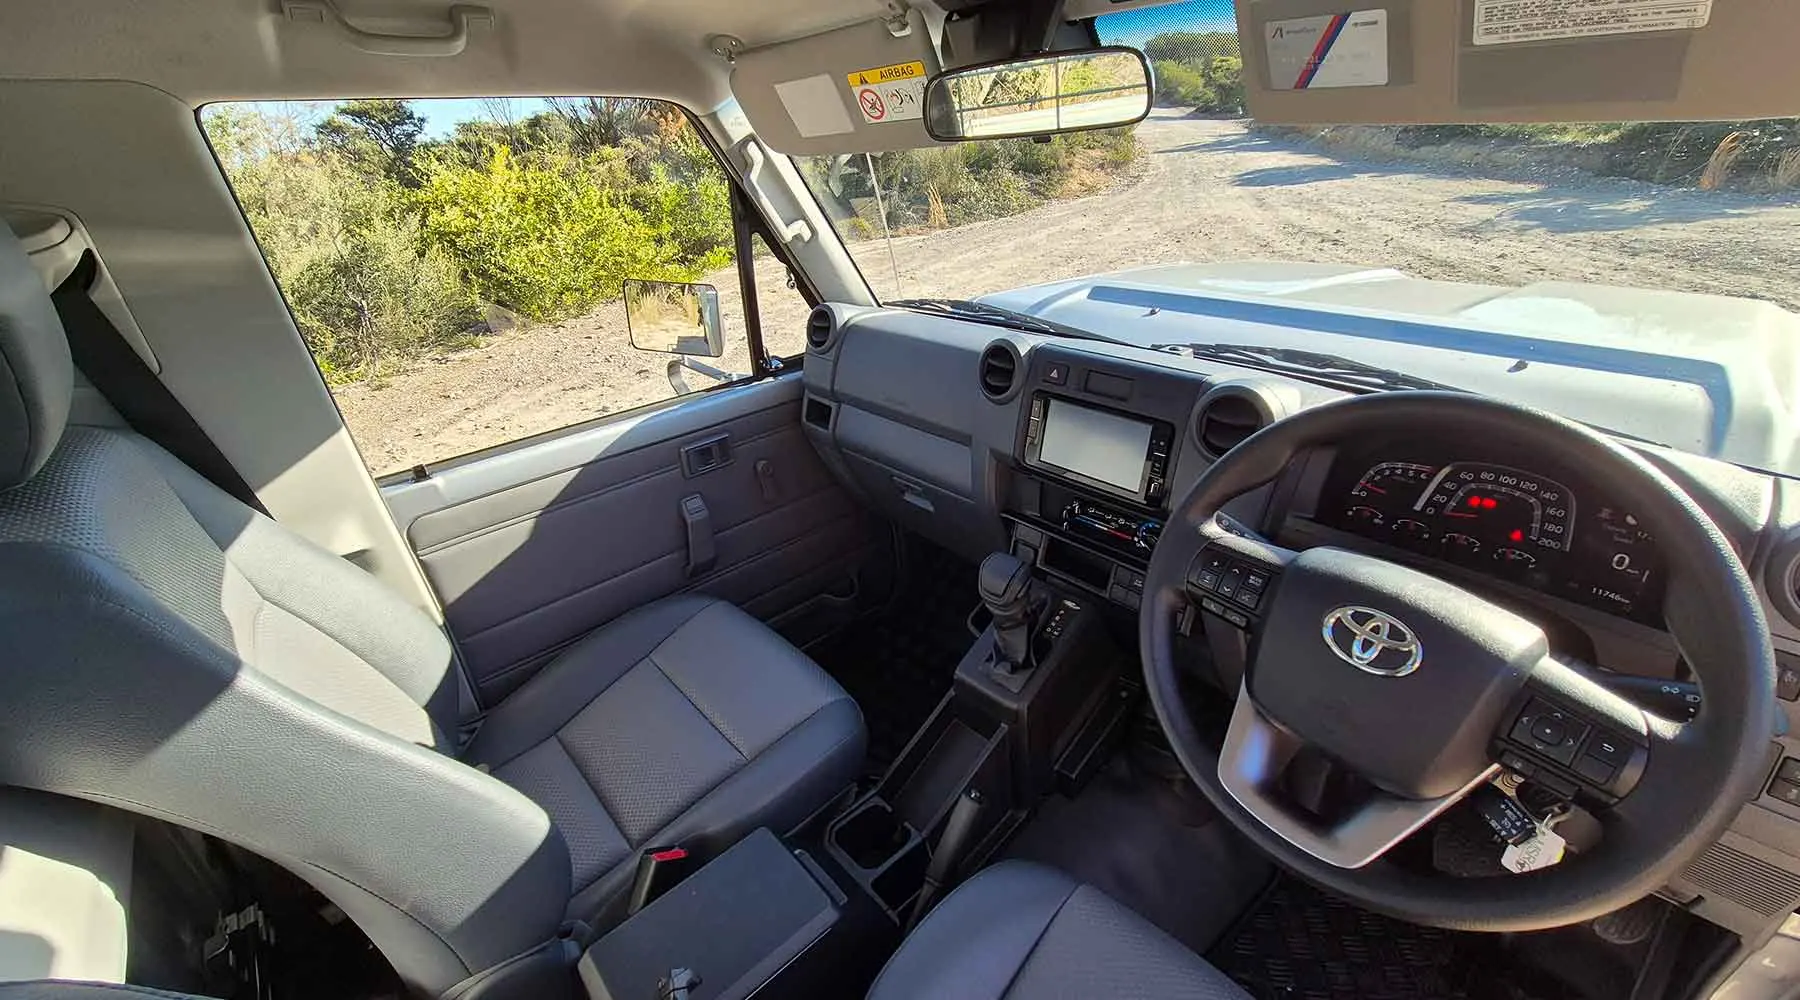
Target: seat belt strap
x: 119, y: 372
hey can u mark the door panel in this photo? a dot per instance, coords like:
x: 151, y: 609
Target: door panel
x: 528, y: 553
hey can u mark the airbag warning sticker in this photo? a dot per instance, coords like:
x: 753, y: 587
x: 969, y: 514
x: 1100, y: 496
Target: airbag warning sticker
x: 1498, y: 22
x: 1329, y: 50
x: 889, y: 93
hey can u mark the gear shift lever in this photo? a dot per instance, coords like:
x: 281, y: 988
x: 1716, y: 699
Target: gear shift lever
x: 1005, y: 585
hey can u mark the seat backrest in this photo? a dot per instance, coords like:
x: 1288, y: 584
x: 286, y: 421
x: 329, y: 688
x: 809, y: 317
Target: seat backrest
x: 170, y: 651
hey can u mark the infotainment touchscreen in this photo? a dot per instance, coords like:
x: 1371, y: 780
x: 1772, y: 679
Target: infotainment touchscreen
x: 1096, y: 444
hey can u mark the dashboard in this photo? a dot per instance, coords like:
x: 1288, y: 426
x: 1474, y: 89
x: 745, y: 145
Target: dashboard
x: 1068, y: 453
x: 1548, y: 531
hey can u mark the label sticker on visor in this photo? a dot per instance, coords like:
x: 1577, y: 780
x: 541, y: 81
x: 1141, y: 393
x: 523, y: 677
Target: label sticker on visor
x: 1498, y: 22
x: 889, y: 93
x: 1329, y: 50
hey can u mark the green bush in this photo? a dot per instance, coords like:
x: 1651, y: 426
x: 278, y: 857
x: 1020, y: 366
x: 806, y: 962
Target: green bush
x: 387, y: 243
x: 1213, y: 83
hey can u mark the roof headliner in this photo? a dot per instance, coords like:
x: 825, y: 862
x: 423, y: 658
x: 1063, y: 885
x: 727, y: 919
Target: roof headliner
x: 207, y: 50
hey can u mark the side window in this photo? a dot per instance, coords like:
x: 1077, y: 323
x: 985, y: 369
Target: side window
x: 458, y: 267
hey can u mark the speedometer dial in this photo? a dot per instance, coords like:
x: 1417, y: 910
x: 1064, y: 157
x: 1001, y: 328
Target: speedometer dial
x: 1507, y: 514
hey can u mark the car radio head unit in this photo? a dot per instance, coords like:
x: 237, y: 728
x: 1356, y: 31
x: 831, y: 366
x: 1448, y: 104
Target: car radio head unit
x: 1117, y: 453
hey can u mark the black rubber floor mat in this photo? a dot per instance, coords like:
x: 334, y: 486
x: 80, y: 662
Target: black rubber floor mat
x: 1302, y: 944
x: 898, y: 663
x: 1163, y: 851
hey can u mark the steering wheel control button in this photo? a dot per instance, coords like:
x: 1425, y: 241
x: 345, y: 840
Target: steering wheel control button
x: 1231, y: 581
x: 1231, y: 615
x: 1789, y: 769
x: 1595, y: 770
x: 1609, y: 748
x: 1550, y: 731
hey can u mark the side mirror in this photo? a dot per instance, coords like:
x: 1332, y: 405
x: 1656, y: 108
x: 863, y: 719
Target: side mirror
x: 1039, y: 95
x: 674, y: 317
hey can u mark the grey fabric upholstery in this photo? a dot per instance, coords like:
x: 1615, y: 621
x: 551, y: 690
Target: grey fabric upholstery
x: 1021, y: 931
x: 685, y: 721
x: 36, y: 375
x: 172, y: 652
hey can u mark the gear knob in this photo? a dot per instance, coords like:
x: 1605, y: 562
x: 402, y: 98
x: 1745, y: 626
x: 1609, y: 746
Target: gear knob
x: 1005, y: 583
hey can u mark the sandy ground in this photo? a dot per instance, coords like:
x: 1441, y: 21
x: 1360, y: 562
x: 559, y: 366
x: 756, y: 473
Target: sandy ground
x: 1207, y: 191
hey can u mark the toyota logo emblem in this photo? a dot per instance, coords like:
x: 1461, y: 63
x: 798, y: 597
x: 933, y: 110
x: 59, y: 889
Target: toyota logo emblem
x: 1372, y: 641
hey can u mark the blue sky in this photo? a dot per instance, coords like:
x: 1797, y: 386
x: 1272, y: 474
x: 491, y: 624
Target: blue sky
x: 1125, y: 27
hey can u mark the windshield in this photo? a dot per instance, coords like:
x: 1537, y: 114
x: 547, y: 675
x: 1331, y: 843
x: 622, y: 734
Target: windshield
x: 1699, y: 207
x: 1531, y: 262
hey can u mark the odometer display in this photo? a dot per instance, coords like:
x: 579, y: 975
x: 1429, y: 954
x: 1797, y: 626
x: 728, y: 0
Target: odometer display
x: 1503, y: 520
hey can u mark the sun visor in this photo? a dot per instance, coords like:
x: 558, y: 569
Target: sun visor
x: 855, y: 89
x: 1323, y: 62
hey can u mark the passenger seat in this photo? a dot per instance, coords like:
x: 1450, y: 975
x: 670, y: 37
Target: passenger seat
x: 174, y: 653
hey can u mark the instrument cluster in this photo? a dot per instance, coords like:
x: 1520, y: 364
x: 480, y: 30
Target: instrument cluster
x: 1512, y: 523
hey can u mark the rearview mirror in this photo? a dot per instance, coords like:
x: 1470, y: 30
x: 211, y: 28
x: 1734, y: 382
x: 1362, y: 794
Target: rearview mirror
x: 1039, y: 95
x: 674, y: 317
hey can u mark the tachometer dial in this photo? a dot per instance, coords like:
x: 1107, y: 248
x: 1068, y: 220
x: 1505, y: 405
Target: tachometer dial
x: 1397, y: 483
x: 1384, y: 497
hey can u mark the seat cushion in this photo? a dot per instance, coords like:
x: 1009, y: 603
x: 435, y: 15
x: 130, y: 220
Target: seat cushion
x: 1025, y: 932
x: 686, y: 721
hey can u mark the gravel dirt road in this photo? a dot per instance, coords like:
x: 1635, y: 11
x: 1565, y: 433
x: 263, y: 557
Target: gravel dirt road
x: 1205, y: 191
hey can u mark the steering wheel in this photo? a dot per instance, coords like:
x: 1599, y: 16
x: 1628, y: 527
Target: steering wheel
x: 1422, y: 688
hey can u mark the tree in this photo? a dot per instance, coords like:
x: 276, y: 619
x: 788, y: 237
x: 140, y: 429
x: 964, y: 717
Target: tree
x: 1192, y: 47
x: 378, y: 136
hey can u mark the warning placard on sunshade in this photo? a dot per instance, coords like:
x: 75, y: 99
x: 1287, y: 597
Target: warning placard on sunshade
x: 1498, y: 22
x: 1328, y: 50
x: 889, y: 93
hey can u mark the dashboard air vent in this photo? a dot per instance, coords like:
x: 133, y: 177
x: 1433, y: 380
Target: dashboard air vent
x: 1782, y: 582
x: 999, y: 370
x: 820, y: 325
x: 1226, y: 417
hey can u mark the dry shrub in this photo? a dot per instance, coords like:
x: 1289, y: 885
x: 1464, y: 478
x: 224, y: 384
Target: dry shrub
x: 1787, y: 171
x: 1723, y: 158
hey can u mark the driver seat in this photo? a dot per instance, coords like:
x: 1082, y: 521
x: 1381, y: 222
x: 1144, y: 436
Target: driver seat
x: 171, y: 652
x: 1021, y: 931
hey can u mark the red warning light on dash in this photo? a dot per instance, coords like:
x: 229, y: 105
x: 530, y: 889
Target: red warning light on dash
x: 1483, y: 503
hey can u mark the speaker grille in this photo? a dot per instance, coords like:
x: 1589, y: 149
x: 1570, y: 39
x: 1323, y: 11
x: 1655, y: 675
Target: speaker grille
x: 1744, y: 880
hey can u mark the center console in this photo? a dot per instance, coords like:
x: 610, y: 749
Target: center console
x: 1096, y: 451
x: 1031, y: 709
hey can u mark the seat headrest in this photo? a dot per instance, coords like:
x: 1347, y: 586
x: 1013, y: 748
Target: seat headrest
x: 36, y: 375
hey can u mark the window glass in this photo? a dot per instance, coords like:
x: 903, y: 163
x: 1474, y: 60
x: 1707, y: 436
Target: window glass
x: 456, y: 266
x: 1263, y: 209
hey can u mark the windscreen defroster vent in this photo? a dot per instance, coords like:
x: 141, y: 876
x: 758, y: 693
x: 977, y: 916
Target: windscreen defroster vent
x: 999, y: 371
x: 1226, y: 416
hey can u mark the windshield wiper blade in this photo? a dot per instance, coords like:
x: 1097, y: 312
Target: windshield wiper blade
x: 978, y: 312
x: 1293, y: 361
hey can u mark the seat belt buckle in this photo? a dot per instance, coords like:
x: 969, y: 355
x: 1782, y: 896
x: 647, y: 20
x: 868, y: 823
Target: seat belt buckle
x: 658, y: 868
x: 702, y: 553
